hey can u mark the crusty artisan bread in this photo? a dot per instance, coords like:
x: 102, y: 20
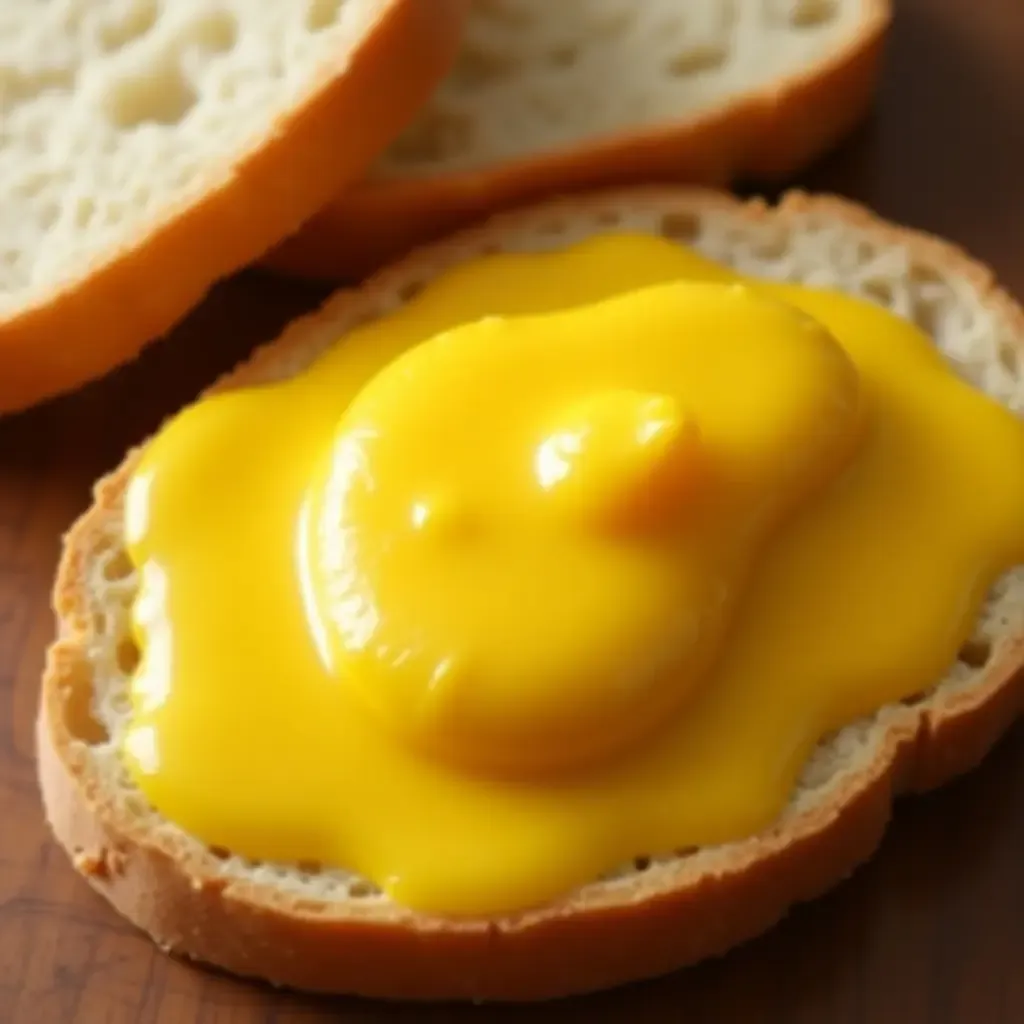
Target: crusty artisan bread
x: 548, y: 97
x: 148, y: 147
x: 327, y: 930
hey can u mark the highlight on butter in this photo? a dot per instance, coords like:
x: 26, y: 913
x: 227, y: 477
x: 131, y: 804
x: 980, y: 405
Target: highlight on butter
x: 556, y: 565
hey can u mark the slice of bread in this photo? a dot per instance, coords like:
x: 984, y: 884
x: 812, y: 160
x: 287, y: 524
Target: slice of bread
x: 149, y: 147
x: 328, y: 930
x: 548, y: 98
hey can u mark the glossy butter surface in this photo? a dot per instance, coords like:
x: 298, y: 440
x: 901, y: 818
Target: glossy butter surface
x: 825, y: 507
x: 533, y: 533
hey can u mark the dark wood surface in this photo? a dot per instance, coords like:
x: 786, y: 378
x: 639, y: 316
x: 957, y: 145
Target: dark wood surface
x: 931, y: 931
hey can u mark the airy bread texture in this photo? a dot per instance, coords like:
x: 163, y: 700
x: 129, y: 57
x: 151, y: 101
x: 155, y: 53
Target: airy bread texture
x: 317, y: 928
x: 148, y: 147
x: 550, y: 97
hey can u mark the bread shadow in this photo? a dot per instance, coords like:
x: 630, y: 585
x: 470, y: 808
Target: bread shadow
x: 88, y: 431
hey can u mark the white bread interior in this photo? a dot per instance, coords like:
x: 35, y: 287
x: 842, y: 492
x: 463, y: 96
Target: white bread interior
x: 148, y: 147
x: 549, y: 97
x: 534, y: 76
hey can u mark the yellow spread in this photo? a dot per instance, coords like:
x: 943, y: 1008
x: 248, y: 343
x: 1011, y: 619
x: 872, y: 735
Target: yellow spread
x: 574, y: 557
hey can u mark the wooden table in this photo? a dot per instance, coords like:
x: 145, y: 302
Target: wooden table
x: 931, y: 931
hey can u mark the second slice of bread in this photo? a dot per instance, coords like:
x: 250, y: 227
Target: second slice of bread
x: 548, y: 97
x: 327, y: 930
x: 149, y: 147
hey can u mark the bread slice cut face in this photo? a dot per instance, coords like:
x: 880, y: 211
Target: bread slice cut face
x: 546, y: 98
x: 150, y: 147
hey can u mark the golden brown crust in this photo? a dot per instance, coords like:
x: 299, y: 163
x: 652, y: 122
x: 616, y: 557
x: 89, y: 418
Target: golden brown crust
x: 609, y: 933
x: 767, y: 135
x: 106, y: 316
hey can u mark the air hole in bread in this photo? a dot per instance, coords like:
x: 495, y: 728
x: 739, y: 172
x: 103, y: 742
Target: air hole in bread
x: 878, y: 290
x: 160, y: 92
x: 134, y: 804
x: 113, y: 211
x: 84, y: 211
x: 17, y: 86
x: 220, y: 852
x: 680, y: 225
x: 927, y: 315
x: 864, y: 251
x: 73, y: 17
x: 478, y: 67
x: 641, y: 863
x: 808, y: 13
x: 30, y: 187
x: 563, y: 56
x: 79, y: 718
x: 133, y: 24
x: 361, y: 889
x: 48, y: 215
x: 215, y: 32
x: 700, y: 57
x: 923, y: 274
x: 976, y: 653
x: 1010, y: 359
x: 322, y: 14
x: 770, y: 247
x: 159, y: 95
x: 127, y: 655
x: 117, y: 566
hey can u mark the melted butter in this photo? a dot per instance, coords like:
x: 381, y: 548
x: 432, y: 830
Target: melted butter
x: 248, y: 731
x: 591, y: 532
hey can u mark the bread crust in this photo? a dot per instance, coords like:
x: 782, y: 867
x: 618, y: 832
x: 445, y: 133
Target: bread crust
x: 766, y: 135
x: 605, y: 934
x: 130, y: 297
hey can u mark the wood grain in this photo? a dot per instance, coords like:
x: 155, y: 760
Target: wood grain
x: 931, y: 931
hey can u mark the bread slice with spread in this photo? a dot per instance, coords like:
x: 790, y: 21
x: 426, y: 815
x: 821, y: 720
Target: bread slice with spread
x: 323, y: 929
